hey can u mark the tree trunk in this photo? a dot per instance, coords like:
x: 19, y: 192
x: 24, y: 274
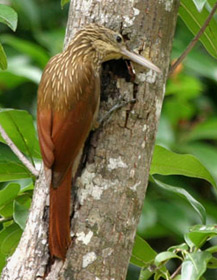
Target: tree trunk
x: 111, y: 188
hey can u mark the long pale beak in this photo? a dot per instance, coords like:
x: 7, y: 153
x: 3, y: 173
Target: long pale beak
x: 140, y: 60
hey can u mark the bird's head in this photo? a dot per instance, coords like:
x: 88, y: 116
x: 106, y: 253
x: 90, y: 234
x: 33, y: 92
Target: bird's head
x: 111, y: 45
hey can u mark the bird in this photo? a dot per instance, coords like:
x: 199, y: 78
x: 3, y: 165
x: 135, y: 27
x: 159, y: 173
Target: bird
x: 67, y: 108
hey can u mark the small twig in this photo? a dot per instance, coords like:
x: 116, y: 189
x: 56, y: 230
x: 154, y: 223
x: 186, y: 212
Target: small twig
x: 176, y: 272
x: 17, y: 152
x: 194, y: 41
x: 3, y: 220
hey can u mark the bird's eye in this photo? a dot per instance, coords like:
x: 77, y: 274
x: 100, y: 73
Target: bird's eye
x: 118, y: 39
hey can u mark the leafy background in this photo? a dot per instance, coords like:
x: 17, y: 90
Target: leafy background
x: 178, y: 220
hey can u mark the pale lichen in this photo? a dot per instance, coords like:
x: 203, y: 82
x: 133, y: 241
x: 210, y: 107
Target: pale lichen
x: 134, y: 187
x: 115, y: 163
x: 149, y: 77
x: 88, y: 259
x: 168, y: 4
x: 84, y: 238
x: 91, y: 184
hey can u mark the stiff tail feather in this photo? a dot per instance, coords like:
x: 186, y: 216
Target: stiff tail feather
x: 59, y: 220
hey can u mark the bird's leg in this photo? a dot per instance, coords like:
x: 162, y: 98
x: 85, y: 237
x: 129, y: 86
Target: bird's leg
x: 108, y: 114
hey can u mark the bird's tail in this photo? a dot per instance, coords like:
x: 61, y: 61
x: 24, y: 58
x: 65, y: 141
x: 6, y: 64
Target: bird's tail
x: 59, y: 224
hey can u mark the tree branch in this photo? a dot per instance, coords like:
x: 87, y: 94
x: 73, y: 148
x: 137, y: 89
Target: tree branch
x: 18, y: 153
x: 176, y: 272
x: 194, y: 41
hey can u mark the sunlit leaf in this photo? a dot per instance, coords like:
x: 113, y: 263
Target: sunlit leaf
x: 179, y: 247
x: 10, y: 166
x: 3, y: 59
x: 164, y: 257
x: 195, y: 265
x: 19, y: 126
x: 166, y: 162
x: 142, y: 254
x: 199, y: 4
x: 199, y: 234
x: 8, y: 193
x: 20, y: 215
x: 184, y: 194
x: 8, y: 16
x: 9, y: 238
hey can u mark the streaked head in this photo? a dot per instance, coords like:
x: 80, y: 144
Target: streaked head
x: 111, y: 45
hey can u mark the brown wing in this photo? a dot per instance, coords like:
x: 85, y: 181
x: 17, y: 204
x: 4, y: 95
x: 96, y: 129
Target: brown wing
x: 62, y: 132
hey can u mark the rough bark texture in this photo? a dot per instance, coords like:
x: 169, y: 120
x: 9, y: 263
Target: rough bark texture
x: 111, y: 188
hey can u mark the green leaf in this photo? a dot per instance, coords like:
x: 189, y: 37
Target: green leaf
x: 145, y: 274
x: 206, y: 153
x: 199, y: 234
x: 8, y: 16
x: 179, y: 247
x: 195, y: 265
x: 3, y: 59
x: 20, y: 215
x: 34, y: 51
x: 198, y: 207
x: 165, y: 162
x: 212, y: 263
x: 9, y: 238
x: 10, y: 166
x: 194, y: 21
x: 63, y: 2
x: 159, y: 274
x: 2, y: 261
x: 142, y: 254
x: 178, y: 277
x: 163, y: 257
x: 9, y: 193
x: 19, y: 126
x: 212, y: 249
x: 26, y: 185
x: 199, y: 4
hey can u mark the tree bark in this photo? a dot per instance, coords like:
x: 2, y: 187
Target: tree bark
x: 111, y: 188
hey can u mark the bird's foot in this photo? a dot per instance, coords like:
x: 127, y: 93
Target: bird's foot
x: 116, y: 107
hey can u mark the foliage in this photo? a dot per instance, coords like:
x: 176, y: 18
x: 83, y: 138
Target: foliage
x: 194, y: 14
x: 182, y: 189
x: 7, y: 16
x: 194, y: 259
